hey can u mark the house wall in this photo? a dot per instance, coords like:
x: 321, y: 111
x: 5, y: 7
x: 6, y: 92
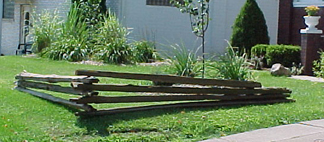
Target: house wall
x: 291, y: 20
x: 11, y: 27
x: 168, y: 26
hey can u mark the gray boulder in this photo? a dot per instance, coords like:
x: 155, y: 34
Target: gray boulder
x: 280, y: 70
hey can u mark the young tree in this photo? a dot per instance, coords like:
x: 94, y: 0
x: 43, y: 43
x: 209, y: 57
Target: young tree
x: 249, y: 28
x: 198, y: 11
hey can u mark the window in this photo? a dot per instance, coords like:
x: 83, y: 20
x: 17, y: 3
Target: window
x: 304, y: 3
x: 8, y: 9
x: 160, y: 2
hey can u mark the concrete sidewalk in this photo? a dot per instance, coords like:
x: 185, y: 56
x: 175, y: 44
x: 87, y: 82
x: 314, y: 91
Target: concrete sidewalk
x: 310, y: 131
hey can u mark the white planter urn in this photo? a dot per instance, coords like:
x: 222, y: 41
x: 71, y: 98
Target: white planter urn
x: 311, y: 22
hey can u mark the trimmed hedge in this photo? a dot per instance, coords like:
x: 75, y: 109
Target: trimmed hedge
x: 283, y: 54
x: 259, y: 50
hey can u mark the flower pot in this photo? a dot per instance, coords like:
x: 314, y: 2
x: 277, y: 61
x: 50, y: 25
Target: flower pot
x: 311, y: 22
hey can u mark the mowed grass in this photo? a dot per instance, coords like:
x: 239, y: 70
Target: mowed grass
x: 24, y: 117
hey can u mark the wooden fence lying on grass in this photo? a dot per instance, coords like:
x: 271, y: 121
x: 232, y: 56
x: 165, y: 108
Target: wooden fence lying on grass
x: 210, y: 92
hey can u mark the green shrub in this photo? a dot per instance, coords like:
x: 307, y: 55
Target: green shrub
x: 283, y: 54
x: 296, y: 69
x: 71, y: 43
x: 144, y: 51
x: 259, y: 50
x: 45, y: 29
x: 111, y: 43
x: 231, y: 65
x: 249, y: 28
x: 319, y: 66
x: 183, y: 61
x: 93, y: 11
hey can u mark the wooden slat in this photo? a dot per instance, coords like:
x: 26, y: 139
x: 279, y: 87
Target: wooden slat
x: 170, y: 79
x: 182, y: 105
x: 55, y: 78
x: 55, y: 88
x: 182, y: 90
x: 131, y: 99
x: 56, y: 99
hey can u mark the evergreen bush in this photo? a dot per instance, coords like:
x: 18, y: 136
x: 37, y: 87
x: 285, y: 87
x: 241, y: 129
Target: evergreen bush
x: 249, y: 28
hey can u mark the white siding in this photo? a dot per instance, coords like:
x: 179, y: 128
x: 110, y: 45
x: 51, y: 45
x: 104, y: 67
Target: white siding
x: 167, y: 24
x: 11, y: 27
x: 171, y: 26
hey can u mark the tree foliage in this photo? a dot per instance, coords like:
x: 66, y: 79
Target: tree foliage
x: 198, y: 12
x: 250, y: 27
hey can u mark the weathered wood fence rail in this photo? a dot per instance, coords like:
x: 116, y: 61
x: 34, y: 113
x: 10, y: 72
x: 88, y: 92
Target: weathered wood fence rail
x: 211, y: 92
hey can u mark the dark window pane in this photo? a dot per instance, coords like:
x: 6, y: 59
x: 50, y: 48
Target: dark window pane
x: 158, y: 2
x: 8, y: 8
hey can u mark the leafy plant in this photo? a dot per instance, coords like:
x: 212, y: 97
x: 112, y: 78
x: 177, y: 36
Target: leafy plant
x: 296, y: 69
x: 231, y: 65
x: 319, y: 66
x: 183, y: 62
x: 71, y: 44
x: 144, y: 51
x: 311, y: 10
x: 249, y: 28
x: 111, y: 43
x: 45, y: 29
x: 93, y: 11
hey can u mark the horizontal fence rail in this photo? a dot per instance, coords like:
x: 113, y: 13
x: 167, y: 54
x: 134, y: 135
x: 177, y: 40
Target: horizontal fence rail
x: 199, y: 92
x: 55, y: 78
x: 170, y: 79
x: 184, y: 90
x: 132, y: 99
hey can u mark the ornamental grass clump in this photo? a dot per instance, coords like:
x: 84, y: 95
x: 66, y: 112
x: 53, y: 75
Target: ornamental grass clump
x: 312, y: 10
x: 45, y: 29
x: 111, y: 42
x: 183, y: 61
x: 231, y: 66
x: 72, y: 42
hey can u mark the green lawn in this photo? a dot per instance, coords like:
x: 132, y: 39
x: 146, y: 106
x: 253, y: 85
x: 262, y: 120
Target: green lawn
x: 24, y: 117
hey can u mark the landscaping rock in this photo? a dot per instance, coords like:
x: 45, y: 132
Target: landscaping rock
x: 280, y: 70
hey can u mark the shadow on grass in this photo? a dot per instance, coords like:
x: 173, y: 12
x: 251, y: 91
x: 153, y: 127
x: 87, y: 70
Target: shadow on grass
x: 100, y: 124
